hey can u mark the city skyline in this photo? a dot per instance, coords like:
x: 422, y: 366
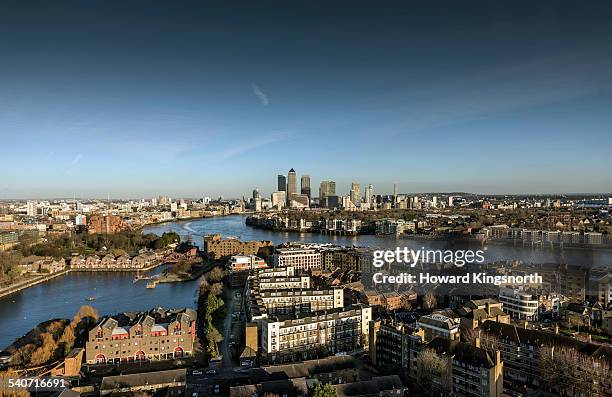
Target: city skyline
x: 143, y: 99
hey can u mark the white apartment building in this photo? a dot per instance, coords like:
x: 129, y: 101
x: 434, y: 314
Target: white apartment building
x: 283, y: 271
x: 300, y: 301
x: 339, y: 330
x: 302, y: 259
x: 519, y: 304
x: 279, y: 283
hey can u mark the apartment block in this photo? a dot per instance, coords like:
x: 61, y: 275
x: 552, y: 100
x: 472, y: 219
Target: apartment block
x: 155, y: 335
x: 301, y: 336
x: 438, y: 326
x: 302, y: 259
x: 216, y: 248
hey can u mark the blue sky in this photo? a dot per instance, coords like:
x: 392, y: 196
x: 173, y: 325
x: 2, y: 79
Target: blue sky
x: 143, y: 99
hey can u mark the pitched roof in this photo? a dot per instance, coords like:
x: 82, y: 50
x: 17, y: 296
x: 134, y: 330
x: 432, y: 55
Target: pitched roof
x: 146, y: 378
x: 540, y: 338
x: 463, y: 352
x: 374, y: 386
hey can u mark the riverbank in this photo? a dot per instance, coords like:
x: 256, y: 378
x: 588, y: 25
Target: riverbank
x: 42, y: 279
x: 30, y: 283
x: 191, y: 218
x: 196, y: 272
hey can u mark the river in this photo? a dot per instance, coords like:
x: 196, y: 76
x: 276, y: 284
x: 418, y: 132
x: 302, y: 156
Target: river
x: 115, y: 292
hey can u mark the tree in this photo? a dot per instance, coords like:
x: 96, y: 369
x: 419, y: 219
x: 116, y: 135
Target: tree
x: 17, y: 392
x: 215, y: 275
x: 326, y: 390
x: 216, y: 289
x: 213, y: 337
x: 45, y: 351
x: 569, y: 372
x: 429, y: 367
x: 429, y: 301
x: 86, y: 313
x: 68, y: 338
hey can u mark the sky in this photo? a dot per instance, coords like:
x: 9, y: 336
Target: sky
x: 190, y: 99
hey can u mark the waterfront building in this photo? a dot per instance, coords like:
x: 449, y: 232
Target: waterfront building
x: 216, y: 248
x: 331, y: 202
x: 302, y: 259
x: 291, y: 184
x: 305, y: 185
x: 158, y: 334
x: 299, y: 201
x: 358, y: 259
x: 41, y: 265
x: 144, y: 259
x: 391, y: 226
x: 278, y: 199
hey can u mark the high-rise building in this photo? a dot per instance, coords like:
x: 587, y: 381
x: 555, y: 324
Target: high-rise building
x: 326, y: 189
x: 355, y: 193
x: 369, y: 194
x: 291, y: 185
x: 256, y: 194
x: 278, y: 199
x: 282, y: 183
x: 31, y: 208
x: 305, y: 185
x: 451, y: 200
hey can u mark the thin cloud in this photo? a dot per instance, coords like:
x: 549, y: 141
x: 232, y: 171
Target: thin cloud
x: 263, y: 98
x: 76, y: 159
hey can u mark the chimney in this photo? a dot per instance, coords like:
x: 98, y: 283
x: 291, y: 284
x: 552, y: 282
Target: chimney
x: 488, y: 307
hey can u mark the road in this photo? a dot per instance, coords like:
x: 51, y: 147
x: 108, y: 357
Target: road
x: 227, y: 362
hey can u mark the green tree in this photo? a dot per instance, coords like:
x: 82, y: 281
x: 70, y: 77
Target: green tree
x: 326, y: 390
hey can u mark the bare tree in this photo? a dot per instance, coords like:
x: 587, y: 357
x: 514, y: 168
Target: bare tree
x: 429, y: 301
x: 431, y: 369
x: 565, y: 370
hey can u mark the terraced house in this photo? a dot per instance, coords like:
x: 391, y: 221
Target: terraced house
x: 158, y: 334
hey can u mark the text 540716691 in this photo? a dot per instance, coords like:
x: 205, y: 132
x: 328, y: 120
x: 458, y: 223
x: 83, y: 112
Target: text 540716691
x: 34, y: 384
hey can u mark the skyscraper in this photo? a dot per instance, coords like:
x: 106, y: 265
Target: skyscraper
x: 291, y: 185
x: 326, y: 189
x: 305, y: 185
x: 355, y: 193
x: 282, y: 183
x: 369, y: 194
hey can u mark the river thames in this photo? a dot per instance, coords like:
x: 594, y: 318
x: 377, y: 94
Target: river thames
x: 115, y: 292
